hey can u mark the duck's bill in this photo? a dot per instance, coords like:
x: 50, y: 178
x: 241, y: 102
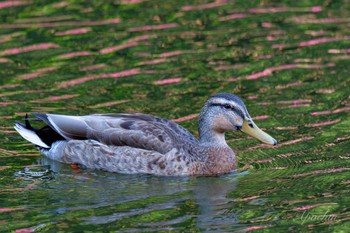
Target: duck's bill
x: 253, y: 130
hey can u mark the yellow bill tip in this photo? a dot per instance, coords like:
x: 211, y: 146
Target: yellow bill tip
x: 253, y: 130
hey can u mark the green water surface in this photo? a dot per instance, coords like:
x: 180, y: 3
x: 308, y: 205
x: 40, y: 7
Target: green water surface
x: 288, y: 60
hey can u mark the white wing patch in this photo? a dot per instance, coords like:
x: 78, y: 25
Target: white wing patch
x: 30, y: 136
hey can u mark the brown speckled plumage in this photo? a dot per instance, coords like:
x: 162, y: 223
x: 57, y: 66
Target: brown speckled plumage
x: 140, y: 143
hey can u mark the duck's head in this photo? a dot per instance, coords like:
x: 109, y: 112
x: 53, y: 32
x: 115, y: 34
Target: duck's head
x: 223, y: 112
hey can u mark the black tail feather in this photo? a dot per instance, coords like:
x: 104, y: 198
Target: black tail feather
x: 46, y: 133
x: 28, y: 126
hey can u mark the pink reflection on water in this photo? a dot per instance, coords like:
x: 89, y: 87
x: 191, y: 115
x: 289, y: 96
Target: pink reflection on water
x: 63, y: 24
x: 316, y: 60
x: 73, y: 32
x: 261, y: 117
x: 299, y: 105
x: 6, y: 103
x: 233, y: 16
x: 269, y: 71
x: 152, y: 27
x: 99, y: 76
x: 232, y: 79
x: 337, y: 51
x: 167, y: 81
x: 270, y: 160
x: 60, y: 4
x: 291, y: 142
x: 29, y: 186
x: 293, y: 84
x: 141, y: 38
x: 323, y: 123
x: 316, y: 9
x: 322, y: 40
x: 125, y: 2
x: 153, y: 62
x: 271, y: 38
x: 185, y: 118
x: 93, y: 67
x: 331, y: 112
x: 8, y: 37
x: 264, y: 56
x: 4, y: 167
x: 264, y: 103
x: 320, y: 21
x: 12, y: 3
x: 42, y: 46
x: 149, y: 71
x: 9, y: 86
x: 37, y: 73
x: 286, y: 127
x: 278, y: 46
x: 217, y: 3
x: 5, y: 60
x: 307, y: 207
x: 268, y: 10
x: 252, y: 228
x: 7, y: 132
x: 108, y: 104
x: 296, y: 141
x: 190, y: 34
x: 170, y: 54
x: 316, y: 33
x: 5, y: 151
x: 247, y: 198
x: 321, y: 113
x: 326, y: 171
x: 266, y: 24
x: 341, y: 110
x: 3, y: 210
x: 313, y: 9
x: 343, y: 57
x: 252, y: 97
x: 55, y: 98
x: 75, y: 54
x: 118, y: 47
x: 3, y: 40
x: 25, y: 230
x: 295, y: 102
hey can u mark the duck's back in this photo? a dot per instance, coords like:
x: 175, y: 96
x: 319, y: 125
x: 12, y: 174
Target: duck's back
x: 133, y: 130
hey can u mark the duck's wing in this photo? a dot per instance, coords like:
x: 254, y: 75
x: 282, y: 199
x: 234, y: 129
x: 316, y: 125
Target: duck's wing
x: 133, y: 130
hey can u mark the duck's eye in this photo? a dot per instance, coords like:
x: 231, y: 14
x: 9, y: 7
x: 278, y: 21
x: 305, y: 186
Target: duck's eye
x: 227, y: 106
x: 251, y: 125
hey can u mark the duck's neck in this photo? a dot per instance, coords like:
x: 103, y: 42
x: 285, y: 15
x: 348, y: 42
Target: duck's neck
x: 208, y: 134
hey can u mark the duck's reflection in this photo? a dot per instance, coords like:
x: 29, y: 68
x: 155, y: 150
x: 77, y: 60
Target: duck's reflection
x: 89, y: 189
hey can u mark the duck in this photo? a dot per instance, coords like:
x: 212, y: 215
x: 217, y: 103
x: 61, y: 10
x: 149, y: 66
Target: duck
x: 144, y: 144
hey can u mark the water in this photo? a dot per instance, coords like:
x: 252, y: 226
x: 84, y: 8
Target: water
x: 289, y: 61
